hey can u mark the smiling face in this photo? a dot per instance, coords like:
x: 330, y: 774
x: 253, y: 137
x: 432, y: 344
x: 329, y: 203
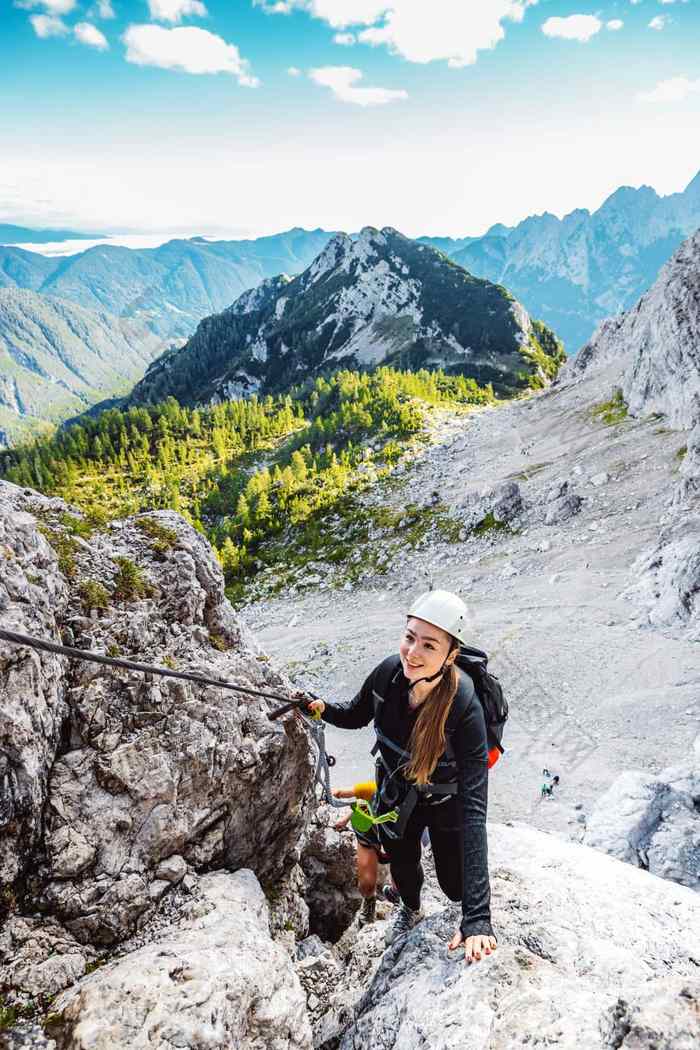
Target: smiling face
x: 423, y: 649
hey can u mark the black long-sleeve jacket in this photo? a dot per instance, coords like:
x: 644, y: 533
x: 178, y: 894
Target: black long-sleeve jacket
x: 469, y: 744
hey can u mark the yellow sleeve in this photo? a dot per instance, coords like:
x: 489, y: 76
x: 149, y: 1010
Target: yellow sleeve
x: 365, y: 789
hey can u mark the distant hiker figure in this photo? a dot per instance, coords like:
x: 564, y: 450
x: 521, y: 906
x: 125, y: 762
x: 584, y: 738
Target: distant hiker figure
x: 432, y: 766
x: 548, y: 789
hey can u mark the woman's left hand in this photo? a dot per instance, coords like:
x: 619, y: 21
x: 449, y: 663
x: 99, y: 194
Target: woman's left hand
x: 474, y: 947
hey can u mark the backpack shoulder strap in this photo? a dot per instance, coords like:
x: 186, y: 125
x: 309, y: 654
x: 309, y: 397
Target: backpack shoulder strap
x: 384, y: 675
x: 464, y: 698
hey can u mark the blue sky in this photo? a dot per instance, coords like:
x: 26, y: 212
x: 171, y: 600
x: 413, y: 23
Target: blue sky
x: 434, y: 116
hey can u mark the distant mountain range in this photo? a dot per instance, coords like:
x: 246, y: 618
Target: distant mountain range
x: 24, y: 235
x: 170, y: 288
x: 571, y: 272
x: 575, y: 271
x: 57, y: 359
x: 378, y: 299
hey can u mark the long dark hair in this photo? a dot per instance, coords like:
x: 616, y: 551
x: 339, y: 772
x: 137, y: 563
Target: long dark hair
x: 428, y: 737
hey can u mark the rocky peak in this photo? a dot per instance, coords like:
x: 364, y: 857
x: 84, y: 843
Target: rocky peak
x: 692, y: 190
x: 379, y: 299
x: 653, y: 350
x: 255, y: 298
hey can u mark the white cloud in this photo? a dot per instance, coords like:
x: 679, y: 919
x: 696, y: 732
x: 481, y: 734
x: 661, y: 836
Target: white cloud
x: 659, y: 22
x: 614, y: 24
x: 294, y: 71
x: 175, y: 10
x: 674, y: 90
x: 186, y: 48
x: 53, y: 7
x: 575, y: 27
x: 453, y: 31
x: 344, y: 39
x: 342, y: 80
x: 102, y: 9
x: 90, y: 35
x: 48, y: 25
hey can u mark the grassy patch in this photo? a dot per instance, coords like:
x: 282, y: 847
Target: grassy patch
x: 611, y: 412
x: 164, y: 539
x: 489, y: 524
x: 527, y: 473
x: 93, y: 595
x: 130, y: 582
x: 65, y: 548
x: 10, y: 1015
x: 218, y: 642
x: 681, y: 453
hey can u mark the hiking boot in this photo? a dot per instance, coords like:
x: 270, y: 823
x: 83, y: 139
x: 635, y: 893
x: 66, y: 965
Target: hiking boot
x: 391, y: 895
x: 404, y: 921
x: 368, y: 911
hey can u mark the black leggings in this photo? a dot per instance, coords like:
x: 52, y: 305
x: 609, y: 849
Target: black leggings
x: 446, y: 838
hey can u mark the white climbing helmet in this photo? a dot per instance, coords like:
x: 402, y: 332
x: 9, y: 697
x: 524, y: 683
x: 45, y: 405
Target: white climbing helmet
x: 442, y: 609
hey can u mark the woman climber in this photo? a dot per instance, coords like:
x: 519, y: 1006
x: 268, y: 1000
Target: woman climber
x: 432, y: 767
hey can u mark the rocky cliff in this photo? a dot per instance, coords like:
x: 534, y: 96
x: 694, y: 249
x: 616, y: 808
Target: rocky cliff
x: 57, y: 359
x: 114, y: 786
x: 380, y: 299
x: 653, y: 350
x: 651, y: 355
x: 141, y: 819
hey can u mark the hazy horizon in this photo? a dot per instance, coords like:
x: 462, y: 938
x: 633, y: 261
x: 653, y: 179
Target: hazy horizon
x: 247, y: 118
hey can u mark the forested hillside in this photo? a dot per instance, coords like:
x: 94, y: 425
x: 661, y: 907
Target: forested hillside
x: 244, y: 472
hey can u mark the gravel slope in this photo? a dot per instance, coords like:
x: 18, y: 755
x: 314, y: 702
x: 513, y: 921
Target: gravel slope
x: 594, y: 689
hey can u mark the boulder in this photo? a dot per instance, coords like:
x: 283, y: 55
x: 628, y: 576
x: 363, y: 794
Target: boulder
x: 653, y: 822
x: 217, y: 980
x: 563, y: 508
x: 329, y: 863
x: 502, y: 501
x: 152, y: 773
x: 592, y: 953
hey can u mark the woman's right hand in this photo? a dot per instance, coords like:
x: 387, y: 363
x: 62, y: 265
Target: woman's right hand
x: 316, y: 706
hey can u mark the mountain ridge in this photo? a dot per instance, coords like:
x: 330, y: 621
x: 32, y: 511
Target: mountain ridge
x: 571, y: 272
x: 57, y: 358
x: 379, y: 299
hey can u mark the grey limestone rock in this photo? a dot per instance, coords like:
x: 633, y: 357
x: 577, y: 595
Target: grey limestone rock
x: 654, y: 348
x: 667, y: 577
x: 561, y: 503
x: 33, y: 598
x: 329, y: 864
x: 590, y: 951
x: 216, y: 980
x: 149, y: 768
x: 653, y: 821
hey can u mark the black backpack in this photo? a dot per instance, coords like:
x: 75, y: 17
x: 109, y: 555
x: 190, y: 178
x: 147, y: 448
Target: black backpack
x: 488, y: 689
